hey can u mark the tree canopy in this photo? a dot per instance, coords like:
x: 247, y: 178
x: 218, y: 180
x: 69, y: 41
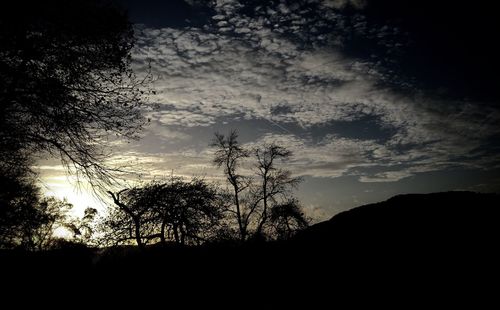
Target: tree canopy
x: 66, y: 83
x: 66, y: 89
x: 173, y: 210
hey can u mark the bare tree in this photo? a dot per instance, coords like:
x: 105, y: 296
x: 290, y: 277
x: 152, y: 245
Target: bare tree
x: 253, y: 197
x: 275, y: 183
x: 229, y: 155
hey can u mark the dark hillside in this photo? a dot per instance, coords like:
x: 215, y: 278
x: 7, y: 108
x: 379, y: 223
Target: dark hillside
x: 454, y: 234
x: 449, y: 238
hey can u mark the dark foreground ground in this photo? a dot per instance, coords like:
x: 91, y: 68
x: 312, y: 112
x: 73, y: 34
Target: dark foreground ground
x: 443, y: 242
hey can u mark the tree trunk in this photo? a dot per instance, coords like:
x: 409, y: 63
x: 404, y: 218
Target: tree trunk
x: 183, y: 235
x: 238, y: 214
x: 264, y: 212
x: 138, y: 238
x: 136, y: 218
x: 176, y: 233
x: 162, y: 233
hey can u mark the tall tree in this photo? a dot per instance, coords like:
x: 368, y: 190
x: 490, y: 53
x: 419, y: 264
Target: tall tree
x: 65, y: 83
x: 229, y: 155
x: 254, y: 196
x: 275, y: 183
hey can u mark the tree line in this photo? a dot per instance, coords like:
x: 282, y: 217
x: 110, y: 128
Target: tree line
x: 67, y: 88
x: 257, y: 207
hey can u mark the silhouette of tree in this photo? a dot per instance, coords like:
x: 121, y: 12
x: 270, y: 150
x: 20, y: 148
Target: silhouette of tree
x: 116, y: 227
x: 66, y: 83
x: 253, y: 197
x: 83, y: 229
x: 183, y: 212
x: 275, y: 183
x: 287, y: 218
x: 38, y: 228
x: 189, y: 211
x: 136, y: 205
x: 18, y: 199
x: 29, y: 221
x: 229, y: 155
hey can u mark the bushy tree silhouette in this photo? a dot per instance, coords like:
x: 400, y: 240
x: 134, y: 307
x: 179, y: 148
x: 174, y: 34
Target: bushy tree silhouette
x: 287, y: 218
x: 190, y: 211
x: 18, y: 199
x: 176, y: 210
x: 66, y: 83
x: 66, y: 87
x: 137, y: 206
x: 82, y: 229
x: 29, y: 222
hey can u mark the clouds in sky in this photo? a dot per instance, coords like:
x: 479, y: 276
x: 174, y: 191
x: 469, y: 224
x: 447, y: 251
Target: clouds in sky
x: 260, y: 65
x: 339, y: 4
x: 323, y: 80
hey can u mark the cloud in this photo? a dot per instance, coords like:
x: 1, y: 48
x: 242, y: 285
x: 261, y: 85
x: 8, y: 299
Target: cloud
x: 276, y: 64
x: 388, y: 176
x: 332, y: 157
x: 56, y: 167
x: 340, y: 4
x: 194, y: 3
x: 185, y: 162
x: 157, y: 128
x: 308, y: 68
x: 374, y: 160
x: 184, y: 118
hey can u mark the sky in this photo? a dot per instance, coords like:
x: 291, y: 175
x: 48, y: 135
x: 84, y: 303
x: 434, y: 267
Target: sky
x: 374, y: 98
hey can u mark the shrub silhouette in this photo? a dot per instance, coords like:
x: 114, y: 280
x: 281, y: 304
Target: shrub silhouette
x: 175, y: 210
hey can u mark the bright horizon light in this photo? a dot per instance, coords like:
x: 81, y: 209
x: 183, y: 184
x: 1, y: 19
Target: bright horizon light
x: 80, y: 197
